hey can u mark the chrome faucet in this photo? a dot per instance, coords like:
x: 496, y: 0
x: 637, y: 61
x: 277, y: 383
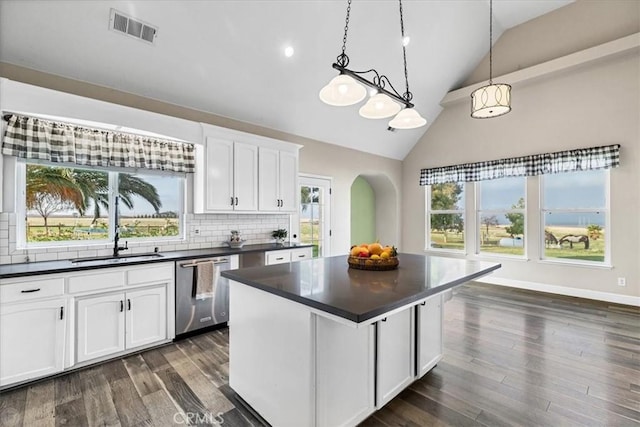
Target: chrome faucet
x: 116, y: 237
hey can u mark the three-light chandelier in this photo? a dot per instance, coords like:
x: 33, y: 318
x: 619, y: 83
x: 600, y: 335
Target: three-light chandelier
x: 385, y: 101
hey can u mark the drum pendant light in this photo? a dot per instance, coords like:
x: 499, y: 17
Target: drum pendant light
x: 492, y: 100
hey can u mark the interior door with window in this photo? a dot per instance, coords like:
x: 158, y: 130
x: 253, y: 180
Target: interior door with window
x: 315, y: 214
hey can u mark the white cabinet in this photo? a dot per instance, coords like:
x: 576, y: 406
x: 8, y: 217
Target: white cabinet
x: 146, y: 318
x: 100, y: 326
x: 230, y: 173
x: 395, y: 363
x: 287, y: 255
x: 278, y: 176
x: 32, y: 339
x: 109, y: 324
x: 429, y: 334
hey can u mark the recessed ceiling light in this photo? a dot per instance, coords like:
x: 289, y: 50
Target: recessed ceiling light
x: 406, y: 40
x: 288, y: 51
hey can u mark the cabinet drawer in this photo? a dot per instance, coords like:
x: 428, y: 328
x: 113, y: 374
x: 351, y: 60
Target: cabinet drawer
x: 33, y: 289
x: 277, y: 257
x: 107, y: 279
x: 300, y: 254
x: 153, y: 273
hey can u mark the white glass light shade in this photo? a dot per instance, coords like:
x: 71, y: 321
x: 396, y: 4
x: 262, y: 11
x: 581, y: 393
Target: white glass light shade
x: 407, y: 119
x: 491, y: 101
x: 379, y: 106
x: 342, y: 90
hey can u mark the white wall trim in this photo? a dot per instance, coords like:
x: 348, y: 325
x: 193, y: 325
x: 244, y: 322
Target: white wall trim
x: 563, y: 290
x: 624, y: 45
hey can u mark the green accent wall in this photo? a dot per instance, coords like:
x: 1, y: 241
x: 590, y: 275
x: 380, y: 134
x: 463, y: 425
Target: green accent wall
x: 363, y: 212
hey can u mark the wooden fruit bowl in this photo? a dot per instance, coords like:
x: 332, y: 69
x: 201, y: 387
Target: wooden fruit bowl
x: 381, y: 264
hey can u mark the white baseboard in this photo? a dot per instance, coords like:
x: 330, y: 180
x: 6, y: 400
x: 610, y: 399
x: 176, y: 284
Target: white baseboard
x: 563, y: 290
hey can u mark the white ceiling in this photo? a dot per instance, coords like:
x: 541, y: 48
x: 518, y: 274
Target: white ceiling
x: 226, y: 57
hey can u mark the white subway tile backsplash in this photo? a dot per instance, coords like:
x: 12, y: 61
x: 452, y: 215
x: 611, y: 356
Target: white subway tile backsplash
x: 214, y: 231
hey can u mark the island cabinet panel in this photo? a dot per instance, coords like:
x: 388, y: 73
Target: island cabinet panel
x: 345, y: 369
x: 395, y: 355
x: 271, y: 347
x: 429, y: 334
x: 32, y: 337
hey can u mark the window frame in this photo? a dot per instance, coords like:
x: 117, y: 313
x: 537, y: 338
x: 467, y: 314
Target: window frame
x: 478, y: 229
x: 606, y: 263
x: 429, y: 212
x: 21, y: 208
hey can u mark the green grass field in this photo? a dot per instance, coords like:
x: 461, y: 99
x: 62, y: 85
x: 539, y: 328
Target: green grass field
x: 73, y: 229
x: 490, y: 243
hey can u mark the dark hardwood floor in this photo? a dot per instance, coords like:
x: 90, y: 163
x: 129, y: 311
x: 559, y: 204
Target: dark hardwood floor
x: 512, y: 357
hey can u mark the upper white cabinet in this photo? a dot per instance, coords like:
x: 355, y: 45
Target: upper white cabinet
x: 278, y: 172
x: 240, y: 172
x: 231, y: 176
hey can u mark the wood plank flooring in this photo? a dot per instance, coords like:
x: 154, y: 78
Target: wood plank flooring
x: 512, y: 358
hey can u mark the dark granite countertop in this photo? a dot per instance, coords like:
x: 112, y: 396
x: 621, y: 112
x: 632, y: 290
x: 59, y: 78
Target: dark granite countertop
x: 49, y: 267
x: 329, y: 285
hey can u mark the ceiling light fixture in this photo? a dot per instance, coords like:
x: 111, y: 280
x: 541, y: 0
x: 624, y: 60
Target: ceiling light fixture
x: 385, y: 101
x: 492, y: 100
x: 289, y: 51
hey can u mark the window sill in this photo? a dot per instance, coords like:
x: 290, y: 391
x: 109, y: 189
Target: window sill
x: 446, y: 252
x: 602, y: 266
x: 502, y: 257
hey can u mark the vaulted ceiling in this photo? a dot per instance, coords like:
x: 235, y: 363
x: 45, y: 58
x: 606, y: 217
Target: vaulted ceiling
x: 227, y: 57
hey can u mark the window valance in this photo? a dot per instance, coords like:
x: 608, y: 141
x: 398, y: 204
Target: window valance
x: 604, y: 157
x: 39, y: 139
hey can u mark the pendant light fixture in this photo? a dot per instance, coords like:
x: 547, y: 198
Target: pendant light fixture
x: 348, y: 88
x: 492, y: 100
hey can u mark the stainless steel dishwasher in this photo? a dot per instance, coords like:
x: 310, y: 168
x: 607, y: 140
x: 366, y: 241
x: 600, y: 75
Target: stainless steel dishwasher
x: 193, y: 313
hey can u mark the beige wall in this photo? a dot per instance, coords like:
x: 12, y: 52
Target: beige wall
x: 571, y: 28
x: 592, y: 105
x: 319, y: 158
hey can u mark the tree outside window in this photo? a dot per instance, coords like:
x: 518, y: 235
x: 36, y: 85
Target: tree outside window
x: 446, y: 216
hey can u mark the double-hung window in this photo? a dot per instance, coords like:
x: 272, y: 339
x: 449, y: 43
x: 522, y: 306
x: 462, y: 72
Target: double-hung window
x: 73, y: 204
x: 501, y: 214
x: 575, y: 215
x: 445, y: 216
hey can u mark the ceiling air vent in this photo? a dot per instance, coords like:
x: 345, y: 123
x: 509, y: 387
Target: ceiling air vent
x: 127, y: 25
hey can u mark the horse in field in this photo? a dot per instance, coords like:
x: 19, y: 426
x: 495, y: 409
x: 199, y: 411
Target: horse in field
x: 572, y: 238
x: 550, y: 239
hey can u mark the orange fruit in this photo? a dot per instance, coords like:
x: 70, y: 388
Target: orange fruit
x: 375, y: 248
x: 355, y: 251
x: 364, y: 245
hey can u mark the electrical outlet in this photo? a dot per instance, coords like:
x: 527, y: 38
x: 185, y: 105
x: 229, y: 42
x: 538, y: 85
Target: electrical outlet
x: 195, y: 231
x: 622, y: 281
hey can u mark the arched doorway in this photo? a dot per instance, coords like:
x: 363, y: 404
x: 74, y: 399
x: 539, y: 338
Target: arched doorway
x: 374, y: 210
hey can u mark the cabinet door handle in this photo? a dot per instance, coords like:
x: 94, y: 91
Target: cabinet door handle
x: 384, y: 320
x: 423, y: 303
x: 301, y: 256
x: 128, y: 304
x: 61, y: 312
x: 279, y: 259
x: 28, y: 291
x: 231, y: 201
x: 236, y: 201
x: 121, y: 306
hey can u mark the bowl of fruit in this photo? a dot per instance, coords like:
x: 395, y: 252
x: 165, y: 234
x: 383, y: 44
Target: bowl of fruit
x: 374, y: 257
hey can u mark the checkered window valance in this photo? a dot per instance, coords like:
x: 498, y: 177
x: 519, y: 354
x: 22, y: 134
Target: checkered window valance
x: 538, y: 164
x: 39, y: 139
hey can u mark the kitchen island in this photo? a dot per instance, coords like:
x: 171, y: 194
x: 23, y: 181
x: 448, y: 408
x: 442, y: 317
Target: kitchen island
x: 316, y: 343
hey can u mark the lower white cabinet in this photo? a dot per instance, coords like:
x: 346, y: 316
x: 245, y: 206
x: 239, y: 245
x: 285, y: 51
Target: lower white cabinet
x: 287, y: 255
x: 32, y: 339
x: 395, y: 363
x: 429, y: 334
x: 112, y: 323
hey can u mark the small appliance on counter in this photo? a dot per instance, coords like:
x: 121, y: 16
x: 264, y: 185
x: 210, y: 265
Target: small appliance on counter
x: 202, y: 295
x: 235, y: 241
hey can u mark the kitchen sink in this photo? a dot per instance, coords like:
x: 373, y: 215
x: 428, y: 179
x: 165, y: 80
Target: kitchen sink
x: 118, y: 259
